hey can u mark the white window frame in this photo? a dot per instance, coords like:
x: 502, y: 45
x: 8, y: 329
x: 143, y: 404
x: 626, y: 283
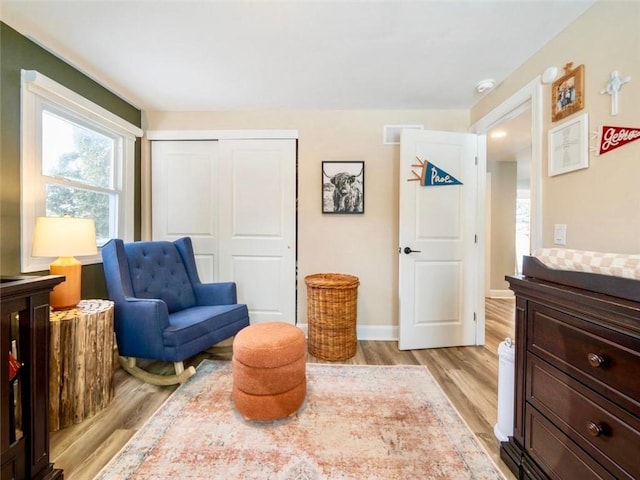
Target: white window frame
x: 38, y: 91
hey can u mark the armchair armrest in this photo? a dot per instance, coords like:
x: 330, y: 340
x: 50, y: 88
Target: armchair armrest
x: 139, y: 323
x: 221, y: 293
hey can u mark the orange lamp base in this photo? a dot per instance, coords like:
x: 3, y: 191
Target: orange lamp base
x: 66, y: 295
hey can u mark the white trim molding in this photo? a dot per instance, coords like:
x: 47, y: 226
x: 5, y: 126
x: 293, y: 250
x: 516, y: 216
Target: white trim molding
x: 530, y: 94
x: 221, y: 134
x: 43, y: 86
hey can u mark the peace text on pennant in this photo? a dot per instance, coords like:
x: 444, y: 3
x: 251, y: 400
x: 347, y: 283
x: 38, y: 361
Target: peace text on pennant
x: 432, y: 176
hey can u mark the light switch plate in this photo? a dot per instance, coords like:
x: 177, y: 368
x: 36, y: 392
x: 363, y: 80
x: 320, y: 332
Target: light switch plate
x: 559, y: 234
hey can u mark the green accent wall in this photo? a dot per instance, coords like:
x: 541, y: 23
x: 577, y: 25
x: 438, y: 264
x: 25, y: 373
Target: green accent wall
x: 18, y: 52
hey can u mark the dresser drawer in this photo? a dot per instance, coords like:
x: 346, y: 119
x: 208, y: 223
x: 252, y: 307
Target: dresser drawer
x: 606, y: 360
x: 608, y: 433
x: 560, y: 458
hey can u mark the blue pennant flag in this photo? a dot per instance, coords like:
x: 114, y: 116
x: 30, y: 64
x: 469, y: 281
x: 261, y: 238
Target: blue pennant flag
x: 433, y: 176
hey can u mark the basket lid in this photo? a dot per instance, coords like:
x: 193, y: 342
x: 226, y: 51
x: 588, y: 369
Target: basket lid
x: 332, y: 280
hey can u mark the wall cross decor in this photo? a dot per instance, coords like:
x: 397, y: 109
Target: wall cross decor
x: 613, y: 87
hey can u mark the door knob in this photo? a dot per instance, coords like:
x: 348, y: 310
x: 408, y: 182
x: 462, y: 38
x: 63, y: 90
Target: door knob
x: 408, y: 250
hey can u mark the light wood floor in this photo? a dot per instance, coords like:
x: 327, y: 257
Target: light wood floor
x: 468, y: 375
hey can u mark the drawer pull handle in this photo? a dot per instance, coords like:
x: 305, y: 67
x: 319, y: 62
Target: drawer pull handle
x: 595, y: 429
x: 595, y: 360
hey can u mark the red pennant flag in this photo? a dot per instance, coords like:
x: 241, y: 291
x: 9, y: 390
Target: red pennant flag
x: 614, y: 137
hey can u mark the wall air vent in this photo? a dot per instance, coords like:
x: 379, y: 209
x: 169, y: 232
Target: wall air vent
x: 391, y: 133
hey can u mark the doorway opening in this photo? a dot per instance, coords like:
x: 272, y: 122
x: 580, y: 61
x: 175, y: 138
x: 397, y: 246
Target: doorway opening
x: 508, y: 225
x: 526, y: 102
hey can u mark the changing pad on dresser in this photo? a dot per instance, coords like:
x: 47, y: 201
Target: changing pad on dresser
x: 607, y: 273
x: 615, y: 264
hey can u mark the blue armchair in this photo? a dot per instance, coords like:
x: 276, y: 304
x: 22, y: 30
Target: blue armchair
x: 162, y: 310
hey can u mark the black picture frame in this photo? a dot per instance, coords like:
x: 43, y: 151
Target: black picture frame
x: 343, y: 187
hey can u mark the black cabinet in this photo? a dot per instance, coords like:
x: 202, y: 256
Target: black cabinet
x: 24, y: 423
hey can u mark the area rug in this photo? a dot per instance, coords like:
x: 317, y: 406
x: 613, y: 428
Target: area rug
x: 357, y: 422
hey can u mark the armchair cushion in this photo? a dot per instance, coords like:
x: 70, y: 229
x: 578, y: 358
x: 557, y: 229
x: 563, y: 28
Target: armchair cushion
x: 197, y: 322
x: 158, y: 271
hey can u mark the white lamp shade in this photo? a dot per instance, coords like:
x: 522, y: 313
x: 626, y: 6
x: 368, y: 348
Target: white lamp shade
x: 64, y: 237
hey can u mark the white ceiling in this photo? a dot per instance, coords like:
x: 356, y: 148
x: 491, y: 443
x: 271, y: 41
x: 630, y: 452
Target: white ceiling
x: 296, y: 54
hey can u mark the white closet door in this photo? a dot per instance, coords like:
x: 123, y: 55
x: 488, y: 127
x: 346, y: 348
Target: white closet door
x: 184, y: 198
x: 237, y: 200
x: 257, y: 225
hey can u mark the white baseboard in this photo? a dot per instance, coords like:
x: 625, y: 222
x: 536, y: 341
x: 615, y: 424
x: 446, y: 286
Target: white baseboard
x: 500, y: 293
x: 366, y: 332
x: 377, y: 332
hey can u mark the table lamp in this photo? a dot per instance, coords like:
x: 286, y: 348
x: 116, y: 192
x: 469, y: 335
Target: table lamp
x: 65, y: 237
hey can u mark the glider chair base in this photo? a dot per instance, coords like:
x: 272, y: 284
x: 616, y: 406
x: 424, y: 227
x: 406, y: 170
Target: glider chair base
x: 181, y: 375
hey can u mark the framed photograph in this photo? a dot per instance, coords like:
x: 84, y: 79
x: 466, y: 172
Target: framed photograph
x: 569, y: 146
x: 567, y: 93
x: 343, y: 187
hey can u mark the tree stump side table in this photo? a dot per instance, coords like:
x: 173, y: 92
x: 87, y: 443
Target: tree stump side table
x: 81, y: 362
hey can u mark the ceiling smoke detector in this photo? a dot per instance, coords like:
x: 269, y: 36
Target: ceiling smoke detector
x: 484, y: 85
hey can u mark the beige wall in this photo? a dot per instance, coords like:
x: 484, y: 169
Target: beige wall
x: 503, y: 223
x: 362, y: 245
x: 600, y: 205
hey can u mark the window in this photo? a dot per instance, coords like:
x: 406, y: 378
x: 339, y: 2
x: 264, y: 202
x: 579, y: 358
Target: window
x: 77, y: 160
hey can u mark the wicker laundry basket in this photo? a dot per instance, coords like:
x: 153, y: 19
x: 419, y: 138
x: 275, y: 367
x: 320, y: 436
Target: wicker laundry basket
x: 332, y: 300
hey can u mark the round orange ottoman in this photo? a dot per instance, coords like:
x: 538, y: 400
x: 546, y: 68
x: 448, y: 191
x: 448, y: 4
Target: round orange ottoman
x: 269, y: 370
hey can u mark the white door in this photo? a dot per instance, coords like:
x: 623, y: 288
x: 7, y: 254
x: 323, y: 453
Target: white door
x: 184, y: 198
x: 236, y: 199
x: 438, y: 239
x: 257, y: 225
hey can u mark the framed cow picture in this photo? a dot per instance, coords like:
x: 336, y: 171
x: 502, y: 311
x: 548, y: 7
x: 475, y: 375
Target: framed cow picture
x: 343, y: 187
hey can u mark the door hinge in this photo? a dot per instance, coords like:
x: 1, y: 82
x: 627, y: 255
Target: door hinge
x: 475, y: 317
x: 475, y: 238
x: 476, y: 160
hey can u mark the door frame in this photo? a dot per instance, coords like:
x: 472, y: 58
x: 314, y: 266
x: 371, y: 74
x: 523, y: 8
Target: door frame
x: 145, y: 163
x: 529, y: 94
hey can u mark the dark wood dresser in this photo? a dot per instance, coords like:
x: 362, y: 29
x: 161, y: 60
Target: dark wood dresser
x: 577, y: 376
x: 24, y: 406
